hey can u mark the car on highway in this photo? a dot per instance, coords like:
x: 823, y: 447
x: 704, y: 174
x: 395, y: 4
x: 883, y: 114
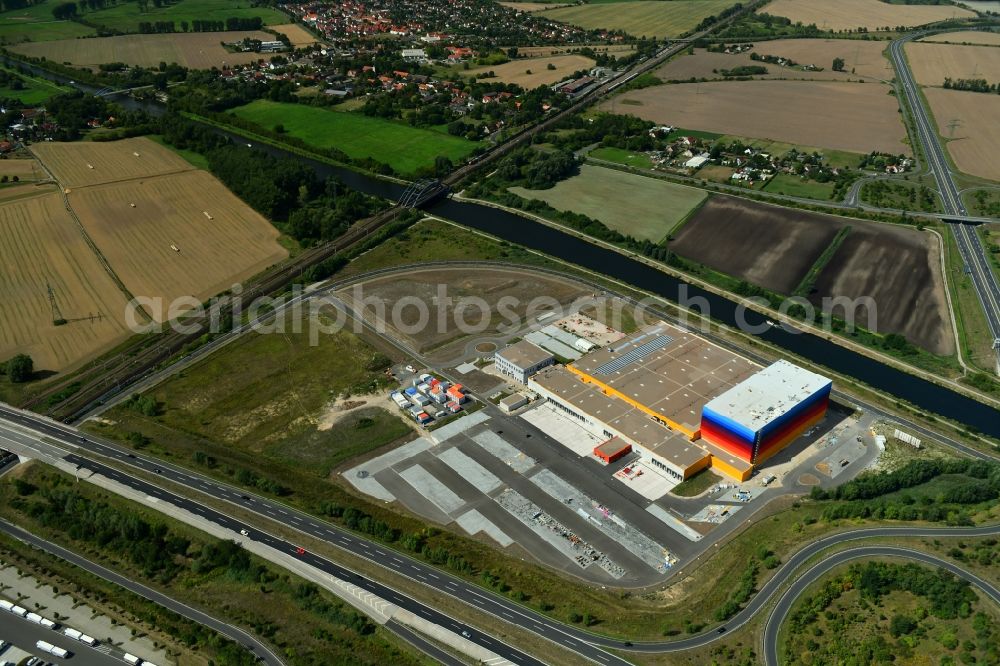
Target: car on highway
x: 720, y: 630
x: 299, y: 550
x: 244, y: 532
x: 465, y: 632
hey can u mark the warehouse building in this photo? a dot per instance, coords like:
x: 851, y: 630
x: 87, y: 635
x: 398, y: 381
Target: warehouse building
x: 652, y: 390
x: 521, y: 360
x: 761, y: 415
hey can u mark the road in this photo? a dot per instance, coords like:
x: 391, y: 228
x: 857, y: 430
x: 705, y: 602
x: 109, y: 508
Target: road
x: 787, y: 600
x: 54, y: 440
x: 233, y: 633
x: 972, y: 250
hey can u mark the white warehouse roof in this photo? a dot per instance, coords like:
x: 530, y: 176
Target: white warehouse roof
x: 767, y: 395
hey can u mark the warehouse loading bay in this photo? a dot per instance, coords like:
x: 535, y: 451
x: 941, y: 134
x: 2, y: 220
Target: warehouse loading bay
x: 529, y: 482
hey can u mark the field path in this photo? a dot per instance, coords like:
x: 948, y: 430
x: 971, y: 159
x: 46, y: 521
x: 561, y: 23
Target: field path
x: 129, y: 297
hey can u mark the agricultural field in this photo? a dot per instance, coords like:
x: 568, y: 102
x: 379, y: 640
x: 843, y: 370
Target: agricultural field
x: 796, y: 186
x: 92, y: 163
x: 852, y: 117
x: 26, y: 170
x: 296, y: 34
x: 638, y: 206
x: 963, y: 37
x: 861, y: 58
x: 41, y: 245
x: 900, y: 269
x: 195, y: 50
x: 641, y: 18
x: 974, y: 142
x: 406, y: 149
x: 137, y: 223
x: 776, y: 247
x: 931, y: 63
x: 529, y: 73
x: 36, y: 24
x: 871, y: 14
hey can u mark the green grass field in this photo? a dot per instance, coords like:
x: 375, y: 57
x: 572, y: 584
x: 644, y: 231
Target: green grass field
x: 406, y: 149
x: 622, y: 156
x: 37, y: 24
x: 642, y: 18
x: 794, y: 186
x: 644, y: 208
x: 35, y: 90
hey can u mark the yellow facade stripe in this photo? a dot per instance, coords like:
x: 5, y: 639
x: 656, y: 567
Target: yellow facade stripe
x: 691, y: 434
x: 698, y: 466
x: 730, y: 471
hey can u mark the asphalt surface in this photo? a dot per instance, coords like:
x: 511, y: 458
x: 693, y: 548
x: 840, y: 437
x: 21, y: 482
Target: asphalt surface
x: 23, y: 634
x: 58, y: 440
x: 787, y: 600
x: 972, y: 250
x: 227, y: 630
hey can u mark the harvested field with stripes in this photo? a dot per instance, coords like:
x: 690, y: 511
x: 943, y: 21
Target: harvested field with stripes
x: 194, y: 50
x: 176, y: 236
x: 92, y: 163
x: 41, y: 245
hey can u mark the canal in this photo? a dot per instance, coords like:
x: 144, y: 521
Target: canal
x: 921, y: 393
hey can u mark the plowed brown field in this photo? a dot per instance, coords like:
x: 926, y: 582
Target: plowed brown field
x: 517, y: 71
x: 91, y: 163
x: 774, y: 247
x: 857, y: 117
x: 40, y: 244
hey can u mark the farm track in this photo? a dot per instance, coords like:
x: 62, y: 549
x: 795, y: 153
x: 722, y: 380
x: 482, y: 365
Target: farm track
x: 115, y: 374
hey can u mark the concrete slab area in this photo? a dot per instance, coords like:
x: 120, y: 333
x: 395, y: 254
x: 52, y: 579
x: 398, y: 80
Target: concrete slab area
x: 499, y: 447
x: 716, y: 513
x: 458, y: 426
x: 673, y: 522
x: 474, y: 522
x: 646, y: 480
x: 428, y: 485
x: 562, y: 428
x: 484, y: 480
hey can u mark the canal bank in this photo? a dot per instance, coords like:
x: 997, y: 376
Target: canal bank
x: 923, y: 394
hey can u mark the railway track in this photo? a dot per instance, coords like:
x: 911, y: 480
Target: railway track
x: 64, y: 399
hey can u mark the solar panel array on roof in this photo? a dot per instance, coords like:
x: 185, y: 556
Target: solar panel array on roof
x: 633, y: 355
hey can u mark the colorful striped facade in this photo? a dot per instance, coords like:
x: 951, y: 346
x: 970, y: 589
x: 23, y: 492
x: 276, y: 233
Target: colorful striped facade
x: 777, y: 416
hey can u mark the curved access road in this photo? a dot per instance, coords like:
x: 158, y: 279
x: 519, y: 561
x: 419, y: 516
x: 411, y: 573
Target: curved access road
x: 55, y: 440
x: 785, y: 602
x: 257, y: 648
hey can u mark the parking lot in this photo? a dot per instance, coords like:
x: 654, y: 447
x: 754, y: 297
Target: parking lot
x: 528, y: 495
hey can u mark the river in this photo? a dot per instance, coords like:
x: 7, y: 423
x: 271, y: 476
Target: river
x: 925, y: 395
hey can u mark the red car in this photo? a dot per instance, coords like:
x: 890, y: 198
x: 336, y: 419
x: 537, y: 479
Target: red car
x: 299, y: 550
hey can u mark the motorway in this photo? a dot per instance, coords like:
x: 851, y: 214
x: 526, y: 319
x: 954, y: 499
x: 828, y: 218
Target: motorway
x: 51, y: 440
x: 972, y: 250
x: 781, y: 610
